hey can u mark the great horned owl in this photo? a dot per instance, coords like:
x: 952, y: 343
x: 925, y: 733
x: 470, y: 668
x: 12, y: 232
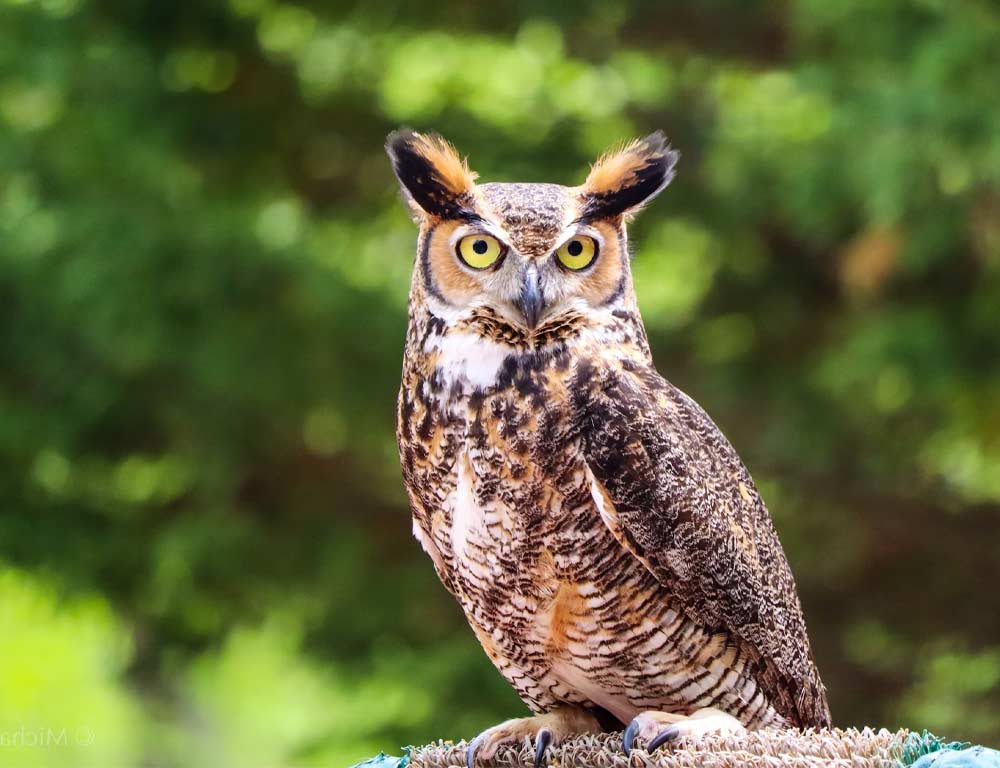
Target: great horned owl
x: 605, y: 541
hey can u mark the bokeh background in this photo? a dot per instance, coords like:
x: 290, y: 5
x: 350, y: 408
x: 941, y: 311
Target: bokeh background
x: 205, y: 551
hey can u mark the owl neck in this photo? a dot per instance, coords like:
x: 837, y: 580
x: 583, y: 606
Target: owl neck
x: 479, y: 351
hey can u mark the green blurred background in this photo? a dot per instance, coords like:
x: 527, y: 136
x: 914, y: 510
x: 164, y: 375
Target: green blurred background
x: 205, y: 551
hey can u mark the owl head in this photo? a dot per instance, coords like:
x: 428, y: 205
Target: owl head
x: 525, y: 255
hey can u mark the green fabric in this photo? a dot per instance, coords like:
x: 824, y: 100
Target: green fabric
x: 925, y: 750
x: 382, y: 760
x: 926, y: 743
x: 973, y: 757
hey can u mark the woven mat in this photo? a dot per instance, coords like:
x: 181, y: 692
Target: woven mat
x: 836, y: 748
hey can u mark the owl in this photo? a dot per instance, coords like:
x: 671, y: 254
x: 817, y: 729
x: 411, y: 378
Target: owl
x: 605, y: 542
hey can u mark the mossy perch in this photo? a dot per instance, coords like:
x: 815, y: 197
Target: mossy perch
x: 850, y: 748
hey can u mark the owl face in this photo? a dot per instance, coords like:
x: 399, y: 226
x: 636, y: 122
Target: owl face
x: 524, y: 254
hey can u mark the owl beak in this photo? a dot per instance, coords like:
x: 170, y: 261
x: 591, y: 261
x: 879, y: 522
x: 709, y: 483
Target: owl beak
x: 531, y: 302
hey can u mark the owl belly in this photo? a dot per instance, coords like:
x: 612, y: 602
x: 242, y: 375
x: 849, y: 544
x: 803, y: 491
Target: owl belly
x: 564, y: 612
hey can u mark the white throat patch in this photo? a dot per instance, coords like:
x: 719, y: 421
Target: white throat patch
x: 468, y: 358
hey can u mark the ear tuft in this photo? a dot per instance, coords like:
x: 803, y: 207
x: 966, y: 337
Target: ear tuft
x: 623, y: 180
x: 431, y: 173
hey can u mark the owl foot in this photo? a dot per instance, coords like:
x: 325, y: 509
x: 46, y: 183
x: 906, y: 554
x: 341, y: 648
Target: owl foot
x: 543, y: 731
x: 658, y: 728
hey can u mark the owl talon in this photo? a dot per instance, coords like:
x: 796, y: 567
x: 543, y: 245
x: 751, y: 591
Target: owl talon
x: 663, y: 737
x: 470, y: 751
x: 659, y: 728
x: 542, y: 741
x: 628, y: 738
x: 647, y: 726
x: 542, y: 731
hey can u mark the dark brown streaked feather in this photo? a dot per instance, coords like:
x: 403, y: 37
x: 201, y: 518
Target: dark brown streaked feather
x: 684, y: 504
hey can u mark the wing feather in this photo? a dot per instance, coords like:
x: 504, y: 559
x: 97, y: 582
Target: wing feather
x: 674, y: 492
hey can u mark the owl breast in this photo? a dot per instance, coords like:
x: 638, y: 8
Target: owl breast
x: 509, y: 512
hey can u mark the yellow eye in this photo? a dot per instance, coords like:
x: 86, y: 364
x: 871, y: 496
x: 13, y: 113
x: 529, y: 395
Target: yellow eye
x: 577, y: 252
x: 479, y: 251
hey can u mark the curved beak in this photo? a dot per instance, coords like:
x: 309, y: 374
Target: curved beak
x: 530, y: 302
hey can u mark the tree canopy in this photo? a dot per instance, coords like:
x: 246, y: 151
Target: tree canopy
x: 205, y: 552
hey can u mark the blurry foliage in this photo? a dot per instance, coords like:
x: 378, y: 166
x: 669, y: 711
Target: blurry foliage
x: 203, y: 277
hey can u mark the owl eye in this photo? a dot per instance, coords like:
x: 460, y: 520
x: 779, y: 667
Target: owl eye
x: 479, y: 251
x: 577, y: 253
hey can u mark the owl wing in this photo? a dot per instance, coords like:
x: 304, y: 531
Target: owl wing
x: 674, y: 493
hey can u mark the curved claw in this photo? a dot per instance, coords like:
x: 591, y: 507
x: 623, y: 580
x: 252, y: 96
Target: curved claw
x: 470, y: 751
x: 628, y: 738
x: 664, y: 736
x: 542, y: 740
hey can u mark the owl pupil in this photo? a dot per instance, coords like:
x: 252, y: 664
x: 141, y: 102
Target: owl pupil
x: 575, y: 248
x: 480, y: 247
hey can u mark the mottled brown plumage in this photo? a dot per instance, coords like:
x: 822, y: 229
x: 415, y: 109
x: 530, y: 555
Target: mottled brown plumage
x: 605, y: 541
